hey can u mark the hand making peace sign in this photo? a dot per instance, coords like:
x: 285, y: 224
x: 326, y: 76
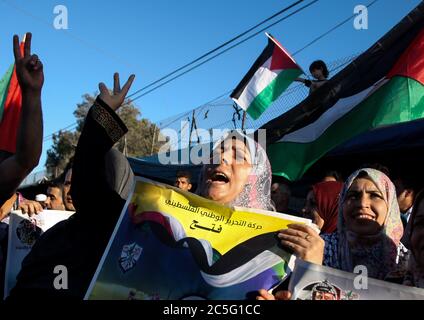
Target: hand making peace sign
x: 115, y: 99
x: 29, y: 69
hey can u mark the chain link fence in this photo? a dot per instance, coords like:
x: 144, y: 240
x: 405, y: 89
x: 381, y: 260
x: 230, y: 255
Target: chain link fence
x: 222, y: 113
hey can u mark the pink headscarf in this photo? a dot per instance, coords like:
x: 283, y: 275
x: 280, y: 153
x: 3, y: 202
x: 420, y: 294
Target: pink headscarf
x: 380, y: 258
x: 257, y: 190
x: 378, y: 253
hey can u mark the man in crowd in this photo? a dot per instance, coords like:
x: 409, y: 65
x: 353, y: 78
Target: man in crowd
x: 407, y: 188
x: 55, y: 197
x: 67, y: 198
x: 183, y: 180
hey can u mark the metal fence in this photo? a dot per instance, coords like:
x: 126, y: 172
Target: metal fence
x: 223, y: 113
x: 34, y: 178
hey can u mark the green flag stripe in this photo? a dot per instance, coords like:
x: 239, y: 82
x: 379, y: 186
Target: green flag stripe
x: 399, y: 100
x: 272, y: 92
x: 4, y: 88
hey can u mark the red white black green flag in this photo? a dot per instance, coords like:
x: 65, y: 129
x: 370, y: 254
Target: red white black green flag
x: 266, y: 80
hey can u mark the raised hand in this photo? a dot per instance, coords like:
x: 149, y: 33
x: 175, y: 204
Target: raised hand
x: 29, y: 69
x: 117, y: 97
x: 304, y: 241
x: 30, y: 207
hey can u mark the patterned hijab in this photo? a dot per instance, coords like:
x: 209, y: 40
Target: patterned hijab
x: 327, y: 201
x: 380, y: 255
x: 257, y: 190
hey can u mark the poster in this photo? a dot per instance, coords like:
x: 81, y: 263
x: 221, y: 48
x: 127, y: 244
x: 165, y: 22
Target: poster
x: 23, y: 232
x: 314, y: 282
x: 169, y: 245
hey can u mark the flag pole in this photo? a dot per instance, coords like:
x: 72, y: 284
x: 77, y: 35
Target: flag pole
x: 244, y: 120
x: 284, y: 50
x: 195, y: 128
x: 191, y: 129
x: 153, y: 140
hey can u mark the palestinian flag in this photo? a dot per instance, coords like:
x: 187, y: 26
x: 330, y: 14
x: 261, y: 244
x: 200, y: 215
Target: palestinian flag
x: 10, y: 109
x: 382, y: 87
x: 4, y: 86
x: 269, y: 76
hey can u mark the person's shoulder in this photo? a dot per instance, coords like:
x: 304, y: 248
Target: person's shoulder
x: 331, y: 249
x: 330, y: 237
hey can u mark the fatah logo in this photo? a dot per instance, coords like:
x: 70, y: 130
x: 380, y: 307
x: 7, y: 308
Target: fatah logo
x: 28, y: 232
x: 129, y: 256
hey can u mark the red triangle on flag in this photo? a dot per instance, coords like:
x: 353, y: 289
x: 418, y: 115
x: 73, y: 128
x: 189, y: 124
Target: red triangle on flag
x: 281, y: 60
x: 411, y: 62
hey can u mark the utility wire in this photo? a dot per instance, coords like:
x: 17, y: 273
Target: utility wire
x: 331, y: 30
x: 217, y: 48
x: 192, y: 62
x: 248, y: 38
x: 296, y: 52
x: 220, y: 53
x: 66, y: 32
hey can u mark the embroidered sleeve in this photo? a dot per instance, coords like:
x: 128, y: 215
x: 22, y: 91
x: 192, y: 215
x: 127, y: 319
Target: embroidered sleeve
x: 109, y: 120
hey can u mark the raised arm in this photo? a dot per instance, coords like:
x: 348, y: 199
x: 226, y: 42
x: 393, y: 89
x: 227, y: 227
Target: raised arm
x: 102, y: 129
x: 29, y: 71
x: 306, y: 82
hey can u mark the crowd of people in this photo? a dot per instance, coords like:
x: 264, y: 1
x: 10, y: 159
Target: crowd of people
x: 361, y: 220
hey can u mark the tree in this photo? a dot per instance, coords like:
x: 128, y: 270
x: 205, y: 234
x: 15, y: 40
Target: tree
x: 141, y: 139
x: 61, y: 152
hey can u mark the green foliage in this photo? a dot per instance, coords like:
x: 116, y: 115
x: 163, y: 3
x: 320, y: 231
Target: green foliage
x: 62, y: 150
x: 138, y: 142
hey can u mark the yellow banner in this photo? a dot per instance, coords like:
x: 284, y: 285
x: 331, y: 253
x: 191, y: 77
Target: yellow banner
x: 136, y: 263
x: 222, y: 226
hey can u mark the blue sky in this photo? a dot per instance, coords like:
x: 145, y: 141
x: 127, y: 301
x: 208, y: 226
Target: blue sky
x: 152, y: 38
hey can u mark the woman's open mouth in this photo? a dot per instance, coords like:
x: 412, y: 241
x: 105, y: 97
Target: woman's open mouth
x: 365, y: 216
x: 218, y: 177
